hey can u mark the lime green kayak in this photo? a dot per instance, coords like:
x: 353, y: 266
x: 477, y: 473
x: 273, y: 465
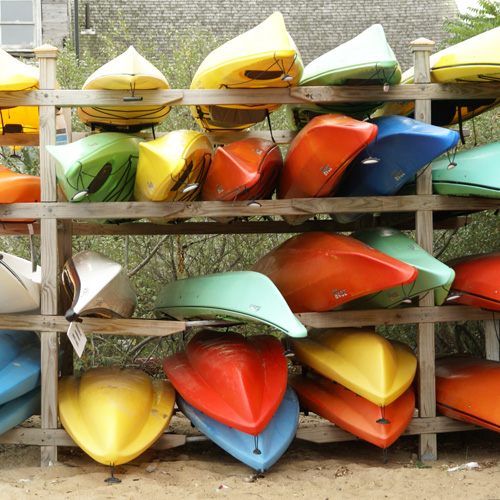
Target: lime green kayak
x: 433, y: 275
x: 99, y: 167
x: 366, y: 59
x: 233, y: 296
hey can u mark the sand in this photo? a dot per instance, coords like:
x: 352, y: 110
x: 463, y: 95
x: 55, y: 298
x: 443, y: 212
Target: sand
x: 201, y: 470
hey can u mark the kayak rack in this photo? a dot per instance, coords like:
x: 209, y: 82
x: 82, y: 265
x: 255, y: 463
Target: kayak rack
x: 56, y: 229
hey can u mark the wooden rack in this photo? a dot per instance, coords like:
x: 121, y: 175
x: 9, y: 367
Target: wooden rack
x: 56, y: 229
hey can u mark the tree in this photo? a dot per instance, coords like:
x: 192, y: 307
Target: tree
x: 476, y: 20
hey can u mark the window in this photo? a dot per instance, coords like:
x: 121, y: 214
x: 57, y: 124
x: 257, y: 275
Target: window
x: 20, y: 25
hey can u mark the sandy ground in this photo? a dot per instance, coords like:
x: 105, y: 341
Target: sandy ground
x: 347, y: 470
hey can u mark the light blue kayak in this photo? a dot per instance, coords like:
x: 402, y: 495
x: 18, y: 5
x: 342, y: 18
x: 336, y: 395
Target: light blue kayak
x: 19, y: 363
x: 402, y: 147
x: 261, y: 451
x: 17, y: 410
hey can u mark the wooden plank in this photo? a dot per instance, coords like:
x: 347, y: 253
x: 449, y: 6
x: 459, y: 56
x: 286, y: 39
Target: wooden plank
x: 293, y: 95
x: 102, y: 326
x: 401, y: 316
x: 329, y: 433
x: 219, y: 209
x: 59, y: 437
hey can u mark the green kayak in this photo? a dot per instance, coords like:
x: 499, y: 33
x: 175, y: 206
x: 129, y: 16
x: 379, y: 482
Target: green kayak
x: 233, y: 296
x: 475, y: 173
x: 99, y: 167
x: 433, y: 275
x: 366, y: 59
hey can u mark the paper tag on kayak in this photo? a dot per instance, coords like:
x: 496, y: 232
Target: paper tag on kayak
x: 77, y: 337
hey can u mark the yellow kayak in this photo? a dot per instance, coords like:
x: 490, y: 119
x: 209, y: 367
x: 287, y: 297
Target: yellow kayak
x: 115, y: 414
x: 16, y: 75
x: 128, y: 71
x: 474, y: 60
x: 373, y: 367
x: 262, y: 57
x: 172, y: 167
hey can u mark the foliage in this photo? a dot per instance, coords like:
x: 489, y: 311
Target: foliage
x: 474, y: 21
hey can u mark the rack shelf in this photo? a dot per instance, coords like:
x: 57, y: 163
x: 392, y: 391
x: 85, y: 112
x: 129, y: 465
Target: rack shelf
x: 56, y: 227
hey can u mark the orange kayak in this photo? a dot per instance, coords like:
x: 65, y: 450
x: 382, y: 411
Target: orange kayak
x: 353, y: 413
x: 243, y: 170
x: 319, y: 271
x: 320, y: 154
x: 476, y: 280
x: 18, y: 188
x: 467, y: 390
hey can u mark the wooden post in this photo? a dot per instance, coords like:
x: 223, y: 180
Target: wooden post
x: 491, y: 340
x: 421, y: 49
x: 47, y: 56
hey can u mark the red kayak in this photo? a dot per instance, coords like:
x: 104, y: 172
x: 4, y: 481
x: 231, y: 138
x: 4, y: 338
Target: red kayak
x: 319, y: 271
x: 467, y: 390
x: 238, y: 381
x: 320, y: 154
x: 18, y: 188
x: 476, y: 280
x: 353, y: 413
x: 243, y: 170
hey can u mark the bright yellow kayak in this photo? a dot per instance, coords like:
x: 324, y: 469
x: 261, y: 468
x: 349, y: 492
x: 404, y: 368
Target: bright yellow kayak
x: 115, y: 414
x: 128, y: 71
x: 172, y: 167
x: 262, y: 57
x: 373, y: 367
x: 474, y: 60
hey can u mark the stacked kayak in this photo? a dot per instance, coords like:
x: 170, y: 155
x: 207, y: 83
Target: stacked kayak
x: 366, y: 59
x: 364, y: 362
x: 129, y: 71
x: 467, y: 390
x: 20, y: 285
x: 97, y: 286
x: 319, y: 271
x: 476, y: 280
x: 172, y: 167
x: 473, y: 60
x: 402, y: 147
x: 263, y: 57
x: 115, y: 414
x: 433, y: 276
x: 20, y: 375
x: 234, y: 389
x: 243, y: 170
x: 233, y: 296
x: 99, y: 167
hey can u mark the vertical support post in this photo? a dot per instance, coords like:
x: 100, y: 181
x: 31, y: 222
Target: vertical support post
x: 491, y: 340
x: 421, y: 49
x: 47, y: 56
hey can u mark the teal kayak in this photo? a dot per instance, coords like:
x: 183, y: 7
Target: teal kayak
x: 475, y: 173
x: 433, y: 275
x: 366, y: 59
x: 234, y: 296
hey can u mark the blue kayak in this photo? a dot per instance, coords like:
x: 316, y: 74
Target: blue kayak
x: 17, y: 410
x: 19, y: 363
x: 261, y: 451
x: 402, y: 147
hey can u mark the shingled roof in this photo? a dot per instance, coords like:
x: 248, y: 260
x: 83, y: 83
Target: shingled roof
x: 316, y: 26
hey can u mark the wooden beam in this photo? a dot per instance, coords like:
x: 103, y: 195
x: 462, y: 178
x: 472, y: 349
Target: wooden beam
x: 226, y: 209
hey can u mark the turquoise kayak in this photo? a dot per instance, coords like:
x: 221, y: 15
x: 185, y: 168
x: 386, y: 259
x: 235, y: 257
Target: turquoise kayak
x: 366, y: 59
x: 233, y: 296
x: 433, y: 275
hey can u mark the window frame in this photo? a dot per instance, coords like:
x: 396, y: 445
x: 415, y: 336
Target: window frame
x: 37, y: 30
